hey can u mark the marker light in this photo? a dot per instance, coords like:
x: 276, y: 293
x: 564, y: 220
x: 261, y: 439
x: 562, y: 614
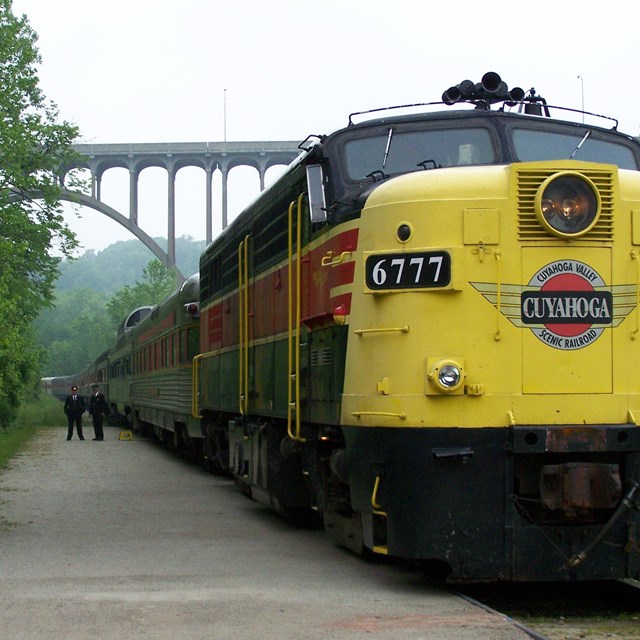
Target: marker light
x: 567, y: 204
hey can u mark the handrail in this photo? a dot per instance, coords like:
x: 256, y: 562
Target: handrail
x: 634, y: 333
x: 378, y: 511
x: 243, y: 325
x: 246, y: 325
x: 374, y: 496
x: 294, y: 323
x: 289, y: 318
x: 497, y: 336
x: 361, y: 332
x: 195, y: 385
x: 385, y: 414
x: 377, y: 507
x: 332, y: 260
x: 240, y: 328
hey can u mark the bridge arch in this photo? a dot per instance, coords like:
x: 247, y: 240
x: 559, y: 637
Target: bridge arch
x: 171, y: 157
x: 88, y: 201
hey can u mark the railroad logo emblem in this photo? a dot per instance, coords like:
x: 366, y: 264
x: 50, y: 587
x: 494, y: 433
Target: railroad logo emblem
x: 566, y: 304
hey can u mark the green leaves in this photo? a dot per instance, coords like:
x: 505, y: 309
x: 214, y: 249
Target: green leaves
x: 158, y: 282
x: 33, y: 146
x: 83, y: 322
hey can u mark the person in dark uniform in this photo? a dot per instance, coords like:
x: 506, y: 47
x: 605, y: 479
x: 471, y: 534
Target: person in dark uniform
x: 74, y: 408
x: 97, y: 410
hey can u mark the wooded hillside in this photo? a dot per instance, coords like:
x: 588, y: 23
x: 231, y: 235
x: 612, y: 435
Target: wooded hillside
x: 79, y: 327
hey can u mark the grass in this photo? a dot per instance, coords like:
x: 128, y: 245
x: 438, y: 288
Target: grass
x: 43, y: 412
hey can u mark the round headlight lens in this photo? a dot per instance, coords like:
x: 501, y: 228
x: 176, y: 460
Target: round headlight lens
x: 567, y: 204
x: 449, y: 376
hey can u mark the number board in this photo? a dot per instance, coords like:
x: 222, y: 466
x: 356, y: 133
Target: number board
x: 421, y: 270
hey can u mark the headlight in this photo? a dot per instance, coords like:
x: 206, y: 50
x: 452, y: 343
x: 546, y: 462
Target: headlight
x: 567, y: 204
x: 449, y: 376
x: 446, y: 375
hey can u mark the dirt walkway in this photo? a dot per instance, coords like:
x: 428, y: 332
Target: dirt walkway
x: 121, y: 540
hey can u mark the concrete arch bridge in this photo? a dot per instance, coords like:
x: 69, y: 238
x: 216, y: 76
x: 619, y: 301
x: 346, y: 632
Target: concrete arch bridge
x: 173, y: 156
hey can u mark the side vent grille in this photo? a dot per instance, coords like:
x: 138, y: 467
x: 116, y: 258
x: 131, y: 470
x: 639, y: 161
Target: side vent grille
x: 321, y: 357
x: 529, y: 180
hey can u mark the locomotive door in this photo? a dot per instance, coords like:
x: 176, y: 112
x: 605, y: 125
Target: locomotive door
x: 566, y: 313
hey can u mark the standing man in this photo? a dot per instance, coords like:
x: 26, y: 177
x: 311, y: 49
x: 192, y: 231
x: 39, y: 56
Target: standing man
x: 74, y: 408
x: 97, y: 410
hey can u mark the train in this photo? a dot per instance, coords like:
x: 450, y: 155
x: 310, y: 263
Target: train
x: 425, y: 332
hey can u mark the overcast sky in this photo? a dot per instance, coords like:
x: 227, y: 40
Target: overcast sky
x: 157, y: 71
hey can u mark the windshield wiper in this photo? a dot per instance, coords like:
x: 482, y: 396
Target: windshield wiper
x: 586, y: 135
x: 386, y: 151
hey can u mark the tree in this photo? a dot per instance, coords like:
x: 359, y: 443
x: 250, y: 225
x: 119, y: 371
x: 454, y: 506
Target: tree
x: 74, y: 331
x: 33, y: 147
x: 77, y: 328
x: 160, y: 282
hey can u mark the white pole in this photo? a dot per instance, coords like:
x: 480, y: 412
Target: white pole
x: 225, y: 115
x: 582, y: 91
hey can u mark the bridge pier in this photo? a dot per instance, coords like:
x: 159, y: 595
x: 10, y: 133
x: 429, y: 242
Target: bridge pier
x: 209, y: 204
x: 171, y: 214
x: 133, y: 196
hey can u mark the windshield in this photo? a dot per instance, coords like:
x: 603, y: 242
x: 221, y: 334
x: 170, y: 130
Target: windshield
x: 532, y: 145
x: 392, y: 152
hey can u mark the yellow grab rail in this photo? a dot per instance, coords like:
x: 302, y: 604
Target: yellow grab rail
x: 361, y: 332
x: 374, y: 496
x: 377, y: 511
x: 294, y: 322
x: 243, y: 325
x: 384, y: 414
x: 497, y: 336
x: 195, y: 386
x: 634, y: 256
x: 331, y: 259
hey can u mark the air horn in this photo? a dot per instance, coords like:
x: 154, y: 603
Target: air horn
x: 490, y: 89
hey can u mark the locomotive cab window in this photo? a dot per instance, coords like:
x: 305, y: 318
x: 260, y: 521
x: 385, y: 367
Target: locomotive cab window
x: 391, y: 152
x: 534, y: 145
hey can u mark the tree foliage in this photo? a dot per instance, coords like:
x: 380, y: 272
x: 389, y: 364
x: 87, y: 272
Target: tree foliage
x: 33, y: 145
x: 158, y: 282
x: 77, y: 328
x: 75, y: 331
x: 122, y: 263
x: 83, y: 323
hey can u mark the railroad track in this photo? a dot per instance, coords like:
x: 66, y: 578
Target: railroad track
x: 565, y: 611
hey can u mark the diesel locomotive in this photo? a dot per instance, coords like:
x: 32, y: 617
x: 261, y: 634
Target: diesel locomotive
x: 426, y: 332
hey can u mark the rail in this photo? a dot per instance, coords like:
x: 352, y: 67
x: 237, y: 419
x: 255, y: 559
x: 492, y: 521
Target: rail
x: 383, y: 414
x: 243, y: 328
x: 634, y: 256
x: 377, y: 511
x: 195, y: 405
x: 294, y: 324
x: 403, y: 329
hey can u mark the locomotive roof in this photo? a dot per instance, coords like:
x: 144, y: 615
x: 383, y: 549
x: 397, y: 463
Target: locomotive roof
x: 462, y: 113
x: 495, y: 107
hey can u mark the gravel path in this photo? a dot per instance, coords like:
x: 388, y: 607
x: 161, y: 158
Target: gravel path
x: 122, y: 540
